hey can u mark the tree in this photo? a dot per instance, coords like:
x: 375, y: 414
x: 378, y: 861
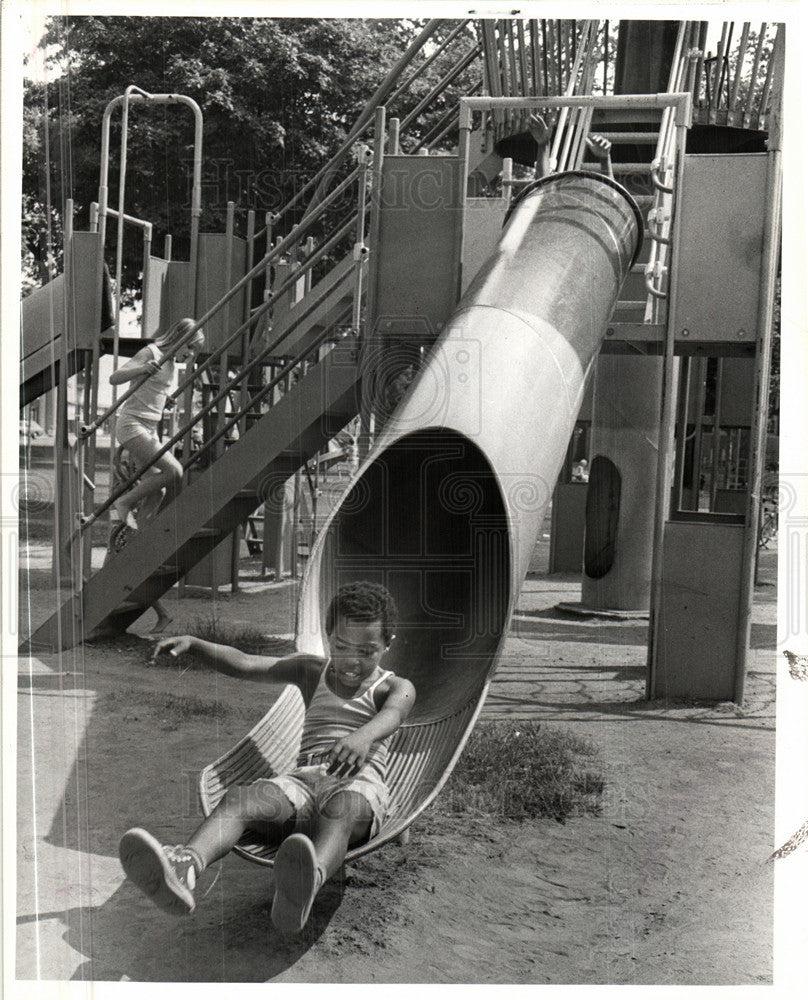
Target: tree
x: 278, y: 98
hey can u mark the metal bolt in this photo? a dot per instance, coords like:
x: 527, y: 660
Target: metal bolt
x: 685, y: 332
x: 742, y: 333
x: 610, y: 331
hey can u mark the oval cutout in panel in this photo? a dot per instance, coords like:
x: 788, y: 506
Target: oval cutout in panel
x: 602, y: 517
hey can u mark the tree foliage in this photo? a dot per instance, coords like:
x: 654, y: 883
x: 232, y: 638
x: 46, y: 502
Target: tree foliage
x: 278, y: 96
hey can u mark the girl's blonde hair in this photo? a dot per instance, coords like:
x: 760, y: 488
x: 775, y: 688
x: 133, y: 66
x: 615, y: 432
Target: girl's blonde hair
x: 174, y: 334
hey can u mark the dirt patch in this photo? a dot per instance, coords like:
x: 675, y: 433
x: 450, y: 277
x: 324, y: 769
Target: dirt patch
x: 668, y: 884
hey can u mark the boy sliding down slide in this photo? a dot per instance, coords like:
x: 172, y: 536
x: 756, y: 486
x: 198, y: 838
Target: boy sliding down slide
x: 335, y: 797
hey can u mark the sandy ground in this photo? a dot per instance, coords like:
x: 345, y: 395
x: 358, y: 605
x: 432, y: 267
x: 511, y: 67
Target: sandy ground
x: 668, y: 885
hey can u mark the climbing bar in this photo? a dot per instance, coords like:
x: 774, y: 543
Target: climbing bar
x: 681, y: 101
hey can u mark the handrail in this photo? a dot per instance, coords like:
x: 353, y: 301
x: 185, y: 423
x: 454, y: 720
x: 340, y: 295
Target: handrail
x: 241, y: 376
x: 289, y: 282
x: 659, y: 215
x: 88, y: 520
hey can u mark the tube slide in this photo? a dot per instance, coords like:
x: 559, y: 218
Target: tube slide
x: 446, y: 509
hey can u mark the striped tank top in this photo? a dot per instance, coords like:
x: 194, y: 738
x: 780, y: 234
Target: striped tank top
x: 330, y: 717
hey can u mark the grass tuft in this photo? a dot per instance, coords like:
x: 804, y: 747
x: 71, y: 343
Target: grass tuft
x: 175, y: 708
x: 245, y: 637
x: 521, y: 771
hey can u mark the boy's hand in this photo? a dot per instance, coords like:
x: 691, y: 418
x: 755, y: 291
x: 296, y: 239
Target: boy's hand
x: 348, y: 755
x: 175, y: 644
x: 599, y: 146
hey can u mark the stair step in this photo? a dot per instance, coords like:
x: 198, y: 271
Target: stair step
x: 625, y: 116
x: 620, y: 168
x: 635, y: 331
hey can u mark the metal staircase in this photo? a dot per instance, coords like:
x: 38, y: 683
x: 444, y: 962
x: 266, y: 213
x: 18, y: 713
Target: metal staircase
x: 297, y: 382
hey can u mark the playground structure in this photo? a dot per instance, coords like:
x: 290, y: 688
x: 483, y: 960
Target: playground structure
x: 506, y: 333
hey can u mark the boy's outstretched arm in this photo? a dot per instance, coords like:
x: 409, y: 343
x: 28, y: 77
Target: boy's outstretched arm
x: 349, y: 753
x: 227, y: 659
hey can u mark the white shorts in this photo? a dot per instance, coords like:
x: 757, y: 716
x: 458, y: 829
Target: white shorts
x: 310, y: 788
x: 128, y: 427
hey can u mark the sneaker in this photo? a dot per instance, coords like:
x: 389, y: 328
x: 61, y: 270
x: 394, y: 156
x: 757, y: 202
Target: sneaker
x: 166, y: 874
x: 297, y: 881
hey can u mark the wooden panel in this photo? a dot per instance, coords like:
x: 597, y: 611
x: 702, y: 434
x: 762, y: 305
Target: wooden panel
x: 567, y: 531
x: 212, y: 283
x: 699, y: 614
x: 417, y: 258
x: 718, y: 274
x: 482, y: 229
x: 169, y: 292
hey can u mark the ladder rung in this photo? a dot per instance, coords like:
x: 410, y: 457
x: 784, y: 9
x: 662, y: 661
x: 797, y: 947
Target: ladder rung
x: 207, y: 533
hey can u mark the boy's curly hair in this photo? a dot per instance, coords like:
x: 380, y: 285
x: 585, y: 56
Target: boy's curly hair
x: 364, y: 602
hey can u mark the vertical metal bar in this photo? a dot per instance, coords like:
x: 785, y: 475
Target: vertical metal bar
x: 196, y: 211
x: 245, y: 313
x: 701, y: 392
x: 145, y: 288
x: 93, y: 216
x: 719, y: 385
x: 523, y: 70
x: 753, y: 76
x: 764, y: 97
x: 224, y: 359
x: 771, y: 244
x: 366, y: 410
x: 393, y: 137
x: 67, y: 544
x: 361, y: 249
x: 507, y: 177
x: 296, y: 524
x: 534, y: 55
x: 168, y: 247
x: 605, y: 57
x: 119, y: 248
x: 495, y: 73
x: 503, y: 72
x: 724, y: 68
x: 736, y: 83
x: 665, y: 434
x: 684, y: 413
x: 717, y: 69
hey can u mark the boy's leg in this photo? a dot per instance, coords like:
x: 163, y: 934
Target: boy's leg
x: 302, y: 865
x: 261, y: 806
x: 168, y: 874
x: 344, y: 820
